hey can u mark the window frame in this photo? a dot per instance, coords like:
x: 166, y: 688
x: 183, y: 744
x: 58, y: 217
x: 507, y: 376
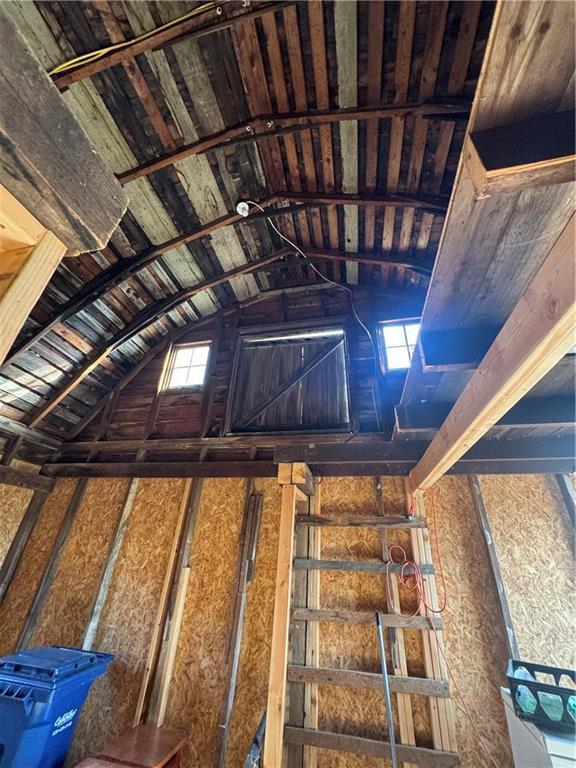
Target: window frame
x: 382, y: 348
x: 165, y: 387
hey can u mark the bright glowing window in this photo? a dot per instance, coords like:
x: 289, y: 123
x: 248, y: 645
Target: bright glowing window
x: 398, y: 341
x: 187, y: 366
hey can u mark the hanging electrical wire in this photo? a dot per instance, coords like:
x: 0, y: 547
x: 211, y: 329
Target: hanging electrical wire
x: 243, y: 209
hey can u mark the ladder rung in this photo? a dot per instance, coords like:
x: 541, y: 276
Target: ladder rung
x: 373, y: 521
x: 365, y: 617
x: 343, y: 743
x: 367, y: 566
x: 356, y: 679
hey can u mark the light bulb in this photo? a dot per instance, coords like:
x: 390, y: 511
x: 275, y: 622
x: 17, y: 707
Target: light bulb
x: 243, y: 209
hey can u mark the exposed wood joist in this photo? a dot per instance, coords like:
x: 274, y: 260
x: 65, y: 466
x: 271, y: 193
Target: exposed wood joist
x: 552, y: 412
x: 373, y: 456
x: 425, y: 202
x: 18, y: 544
x: 156, y: 39
x: 270, y: 126
x: 32, y: 436
x: 537, y: 334
x: 512, y: 158
x: 23, y: 479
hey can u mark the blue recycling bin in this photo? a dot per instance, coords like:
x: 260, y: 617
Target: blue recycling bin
x: 42, y: 691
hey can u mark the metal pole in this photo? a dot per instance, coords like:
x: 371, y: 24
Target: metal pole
x: 390, y: 719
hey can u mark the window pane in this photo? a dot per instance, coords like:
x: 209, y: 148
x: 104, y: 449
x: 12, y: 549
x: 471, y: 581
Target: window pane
x: 200, y: 355
x: 178, y: 378
x: 397, y: 357
x: 412, y: 332
x: 196, y: 375
x: 183, y: 357
x: 394, y: 336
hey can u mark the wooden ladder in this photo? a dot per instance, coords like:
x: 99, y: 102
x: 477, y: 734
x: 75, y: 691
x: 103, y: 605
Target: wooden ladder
x: 296, y: 635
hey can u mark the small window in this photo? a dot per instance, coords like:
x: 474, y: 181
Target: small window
x: 398, y: 341
x: 187, y: 366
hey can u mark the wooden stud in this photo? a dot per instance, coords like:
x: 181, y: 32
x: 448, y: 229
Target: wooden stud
x: 108, y: 569
x: 484, y: 524
x: 18, y: 544
x: 568, y: 494
x: 273, y: 744
x: 44, y: 585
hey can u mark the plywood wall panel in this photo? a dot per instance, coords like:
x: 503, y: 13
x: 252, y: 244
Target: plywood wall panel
x: 252, y: 686
x: 32, y: 564
x: 129, y: 613
x: 474, y: 638
x: 534, y: 541
x: 73, y: 589
x: 198, y: 689
x: 13, y: 503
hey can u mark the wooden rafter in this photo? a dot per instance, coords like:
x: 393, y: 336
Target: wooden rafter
x: 272, y: 126
x: 149, y: 315
x: 155, y: 40
x: 538, y: 333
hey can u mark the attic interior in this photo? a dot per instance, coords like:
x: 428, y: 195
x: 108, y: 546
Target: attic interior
x: 287, y: 391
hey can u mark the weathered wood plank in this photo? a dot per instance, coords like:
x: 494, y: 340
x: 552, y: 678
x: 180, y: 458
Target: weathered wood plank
x: 364, y: 617
x: 361, y: 566
x: 357, y: 679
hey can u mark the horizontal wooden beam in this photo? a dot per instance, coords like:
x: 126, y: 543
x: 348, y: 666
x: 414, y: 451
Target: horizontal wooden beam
x: 512, y: 158
x: 358, y: 566
x: 269, y: 126
x: 187, y: 28
x: 538, y: 333
x: 141, y: 321
x: 361, y: 521
x: 341, y: 742
x: 425, y: 202
x: 389, y: 620
x: 164, y: 469
x: 375, y: 259
x: 553, y: 412
x: 23, y: 479
x: 355, y: 679
x: 32, y: 436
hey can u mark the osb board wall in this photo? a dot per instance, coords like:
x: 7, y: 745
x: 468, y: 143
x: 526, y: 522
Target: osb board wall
x: 475, y: 644
x: 69, y: 600
x: 13, y: 504
x: 534, y: 541
x: 30, y: 570
x: 198, y: 682
x: 129, y: 613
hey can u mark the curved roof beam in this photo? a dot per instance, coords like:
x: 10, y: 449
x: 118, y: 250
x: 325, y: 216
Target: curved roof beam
x: 271, y: 126
x: 114, y: 275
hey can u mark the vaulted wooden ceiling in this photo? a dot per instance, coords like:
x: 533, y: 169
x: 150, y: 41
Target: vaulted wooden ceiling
x: 365, y: 107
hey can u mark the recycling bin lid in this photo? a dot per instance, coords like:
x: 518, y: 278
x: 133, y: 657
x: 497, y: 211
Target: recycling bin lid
x: 50, y: 663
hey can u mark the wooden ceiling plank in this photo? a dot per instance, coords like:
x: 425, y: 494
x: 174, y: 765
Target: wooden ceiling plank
x: 315, y: 10
x: 538, y: 333
x: 301, y: 101
x: 280, y: 92
x: 346, y: 30
x: 432, y: 51
x: 406, y: 21
x: 374, y: 64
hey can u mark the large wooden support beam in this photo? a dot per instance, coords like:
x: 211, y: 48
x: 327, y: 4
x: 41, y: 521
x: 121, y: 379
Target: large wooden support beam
x: 23, y: 479
x: 538, y: 333
x: 32, y: 436
x: 46, y: 160
x: 273, y: 744
x: 533, y: 153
